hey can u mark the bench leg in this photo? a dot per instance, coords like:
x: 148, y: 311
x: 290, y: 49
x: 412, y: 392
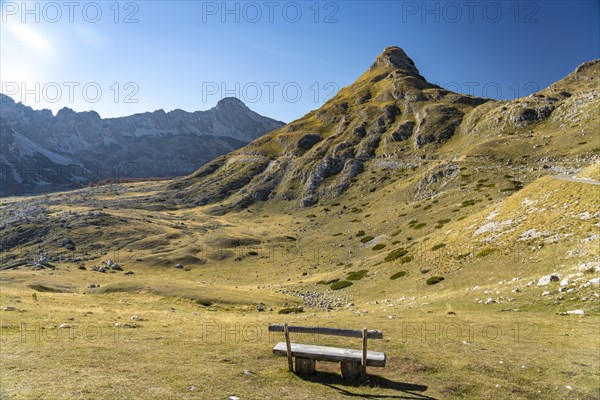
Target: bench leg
x: 305, y: 366
x: 351, y: 371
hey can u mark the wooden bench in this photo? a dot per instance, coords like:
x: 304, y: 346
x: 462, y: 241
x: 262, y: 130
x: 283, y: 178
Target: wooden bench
x: 354, y: 363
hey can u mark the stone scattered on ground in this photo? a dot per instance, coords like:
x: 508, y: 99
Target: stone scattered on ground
x: 113, y: 265
x: 126, y: 325
x: 546, y: 279
x: 313, y: 299
x: 576, y: 312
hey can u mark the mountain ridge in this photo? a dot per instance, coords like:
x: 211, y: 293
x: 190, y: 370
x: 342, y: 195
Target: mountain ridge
x: 151, y: 144
x: 390, y: 114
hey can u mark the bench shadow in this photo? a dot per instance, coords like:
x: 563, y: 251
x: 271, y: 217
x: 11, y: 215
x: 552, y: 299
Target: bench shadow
x: 335, y: 381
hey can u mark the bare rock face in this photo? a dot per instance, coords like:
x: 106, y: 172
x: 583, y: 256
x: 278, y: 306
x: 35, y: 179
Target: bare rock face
x: 396, y: 58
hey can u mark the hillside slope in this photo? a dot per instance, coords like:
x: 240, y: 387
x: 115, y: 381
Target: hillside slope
x: 392, y: 118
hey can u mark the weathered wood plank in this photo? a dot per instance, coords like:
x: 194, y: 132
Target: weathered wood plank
x: 351, y: 371
x: 333, y: 354
x: 305, y: 366
x: 371, y: 334
x: 363, y: 361
x: 288, y: 348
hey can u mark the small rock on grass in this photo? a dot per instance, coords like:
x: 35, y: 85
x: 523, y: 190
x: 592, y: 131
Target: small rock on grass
x: 576, y: 312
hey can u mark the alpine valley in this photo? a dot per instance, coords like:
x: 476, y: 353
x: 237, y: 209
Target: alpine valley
x: 466, y: 229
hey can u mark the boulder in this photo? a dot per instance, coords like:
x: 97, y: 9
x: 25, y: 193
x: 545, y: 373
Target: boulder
x: 68, y: 244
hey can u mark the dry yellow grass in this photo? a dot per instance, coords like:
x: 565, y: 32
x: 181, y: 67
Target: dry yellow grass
x: 199, y: 330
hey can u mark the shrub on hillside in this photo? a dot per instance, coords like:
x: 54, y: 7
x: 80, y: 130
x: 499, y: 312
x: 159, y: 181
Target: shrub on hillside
x: 398, y: 274
x: 485, y: 252
x: 357, y: 275
x: 340, y: 285
x: 395, y: 254
x: 434, y: 279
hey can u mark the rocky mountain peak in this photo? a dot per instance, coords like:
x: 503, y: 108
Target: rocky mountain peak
x: 396, y: 58
x: 65, y: 112
x: 231, y: 104
x: 4, y: 100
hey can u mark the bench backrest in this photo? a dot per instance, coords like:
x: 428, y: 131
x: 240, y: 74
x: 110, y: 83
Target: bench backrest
x: 364, y: 333
x: 371, y: 334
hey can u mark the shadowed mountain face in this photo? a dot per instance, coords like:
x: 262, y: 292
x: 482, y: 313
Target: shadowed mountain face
x: 41, y: 152
x: 391, y: 117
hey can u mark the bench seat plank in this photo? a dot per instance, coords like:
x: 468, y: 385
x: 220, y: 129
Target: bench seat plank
x: 333, y: 354
x: 371, y: 334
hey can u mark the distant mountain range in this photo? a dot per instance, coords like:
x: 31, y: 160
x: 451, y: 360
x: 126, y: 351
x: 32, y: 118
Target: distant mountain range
x: 42, y: 152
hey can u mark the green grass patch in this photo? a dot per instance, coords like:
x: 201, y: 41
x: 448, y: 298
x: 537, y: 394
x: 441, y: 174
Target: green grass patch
x: 467, y: 203
x: 340, y: 285
x: 434, y: 279
x: 398, y: 274
x: 291, y: 310
x: 47, y: 289
x: 357, y: 275
x: 378, y: 246
x: 485, y: 252
x: 367, y: 239
x: 406, y: 259
x: 395, y: 254
x: 438, y: 246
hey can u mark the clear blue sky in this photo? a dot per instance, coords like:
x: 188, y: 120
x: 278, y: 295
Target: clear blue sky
x: 189, y: 54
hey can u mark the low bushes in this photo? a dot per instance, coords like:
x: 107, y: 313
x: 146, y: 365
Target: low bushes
x: 434, y: 279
